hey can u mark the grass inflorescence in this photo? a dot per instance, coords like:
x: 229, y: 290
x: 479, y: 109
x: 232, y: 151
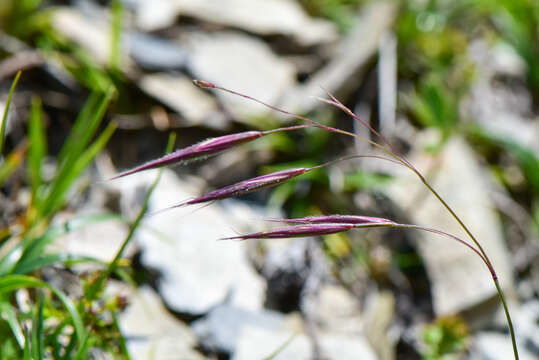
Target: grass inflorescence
x: 319, y: 225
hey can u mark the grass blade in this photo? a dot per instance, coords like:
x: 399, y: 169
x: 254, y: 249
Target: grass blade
x: 6, y: 110
x: 12, y: 162
x: 10, y: 283
x: 38, y: 146
x: 64, y: 181
x: 11, y: 317
x: 96, y: 287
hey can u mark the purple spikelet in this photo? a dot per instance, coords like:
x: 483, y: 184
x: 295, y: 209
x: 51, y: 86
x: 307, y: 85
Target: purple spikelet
x: 337, y: 219
x: 246, y: 186
x: 202, y: 149
x: 295, y: 231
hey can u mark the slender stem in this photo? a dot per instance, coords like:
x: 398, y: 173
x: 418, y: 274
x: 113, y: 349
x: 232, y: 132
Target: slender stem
x: 455, y: 216
x: 98, y: 283
x: 509, y: 322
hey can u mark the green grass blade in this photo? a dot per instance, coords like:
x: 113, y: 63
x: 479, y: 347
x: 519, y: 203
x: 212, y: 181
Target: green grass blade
x: 63, y: 183
x: 115, y: 60
x: 27, y: 355
x: 74, y: 157
x: 38, y: 146
x: 277, y: 351
x: 85, y: 126
x: 10, y: 283
x: 12, y: 163
x: 6, y: 110
x: 11, y: 317
x: 37, y: 331
x: 33, y: 251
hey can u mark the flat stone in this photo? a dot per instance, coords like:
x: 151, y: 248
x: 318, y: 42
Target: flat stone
x: 458, y: 277
x: 178, y: 92
x: 197, y: 271
x: 152, y: 332
x: 243, y: 63
x: 262, y: 17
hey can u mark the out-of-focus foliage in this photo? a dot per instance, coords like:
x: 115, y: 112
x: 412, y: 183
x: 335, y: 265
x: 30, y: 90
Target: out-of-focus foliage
x: 445, y: 339
x: 339, y: 11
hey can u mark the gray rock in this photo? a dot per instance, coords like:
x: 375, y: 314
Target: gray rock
x: 198, y: 272
x: 221, y: 328
x: 458, y: 277
x: 496, y: 346
x: 100, y: 240
x: 343, y: 72
x: 155, y: 53
x: 337, y: 311
x: 152, y: 332
x: 263, y: 17
x: 504, y: 110
x: 243, y: 63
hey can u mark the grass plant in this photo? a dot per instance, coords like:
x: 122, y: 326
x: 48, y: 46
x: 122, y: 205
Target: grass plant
x: 332, y: 224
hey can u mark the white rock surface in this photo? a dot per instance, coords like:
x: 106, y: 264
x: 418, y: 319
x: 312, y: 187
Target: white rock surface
x: 220, y: 329
x: 100, y: 240
x: 198, y: 272
x: 263, y: 17
x: 496, y: 346
x: 243, y: 63
x: 152, y: 332
x: 459, y: 278
x: 257, y: 343
x: 337, y: 310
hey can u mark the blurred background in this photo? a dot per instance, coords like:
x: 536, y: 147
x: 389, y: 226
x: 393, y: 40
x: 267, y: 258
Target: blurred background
x: 453, y: 85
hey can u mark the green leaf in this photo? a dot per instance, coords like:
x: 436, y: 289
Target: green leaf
x: 12, y: 163
x: 6, y: 110
x: 74, y: 157
x: 10, y: 283
x: 10, y: 316
x: 115, y: 60
x: 38, y: 146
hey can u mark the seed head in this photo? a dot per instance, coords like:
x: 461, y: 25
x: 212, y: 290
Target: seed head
x: 296, y: 231
x: 337, y: 219
x: 250, y: 185
x: 196, y: 151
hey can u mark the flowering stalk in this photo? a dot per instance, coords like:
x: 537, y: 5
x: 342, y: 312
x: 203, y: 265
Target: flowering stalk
x: 389, y: 150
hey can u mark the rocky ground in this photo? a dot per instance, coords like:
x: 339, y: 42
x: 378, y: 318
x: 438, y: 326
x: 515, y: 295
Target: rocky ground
x: 365, y: 295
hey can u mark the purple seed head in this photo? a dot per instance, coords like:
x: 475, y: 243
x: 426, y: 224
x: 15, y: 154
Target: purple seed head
x: 337, y: 219
x: 250, y: 185
x: 200, y: 150
x: 296, y: 231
